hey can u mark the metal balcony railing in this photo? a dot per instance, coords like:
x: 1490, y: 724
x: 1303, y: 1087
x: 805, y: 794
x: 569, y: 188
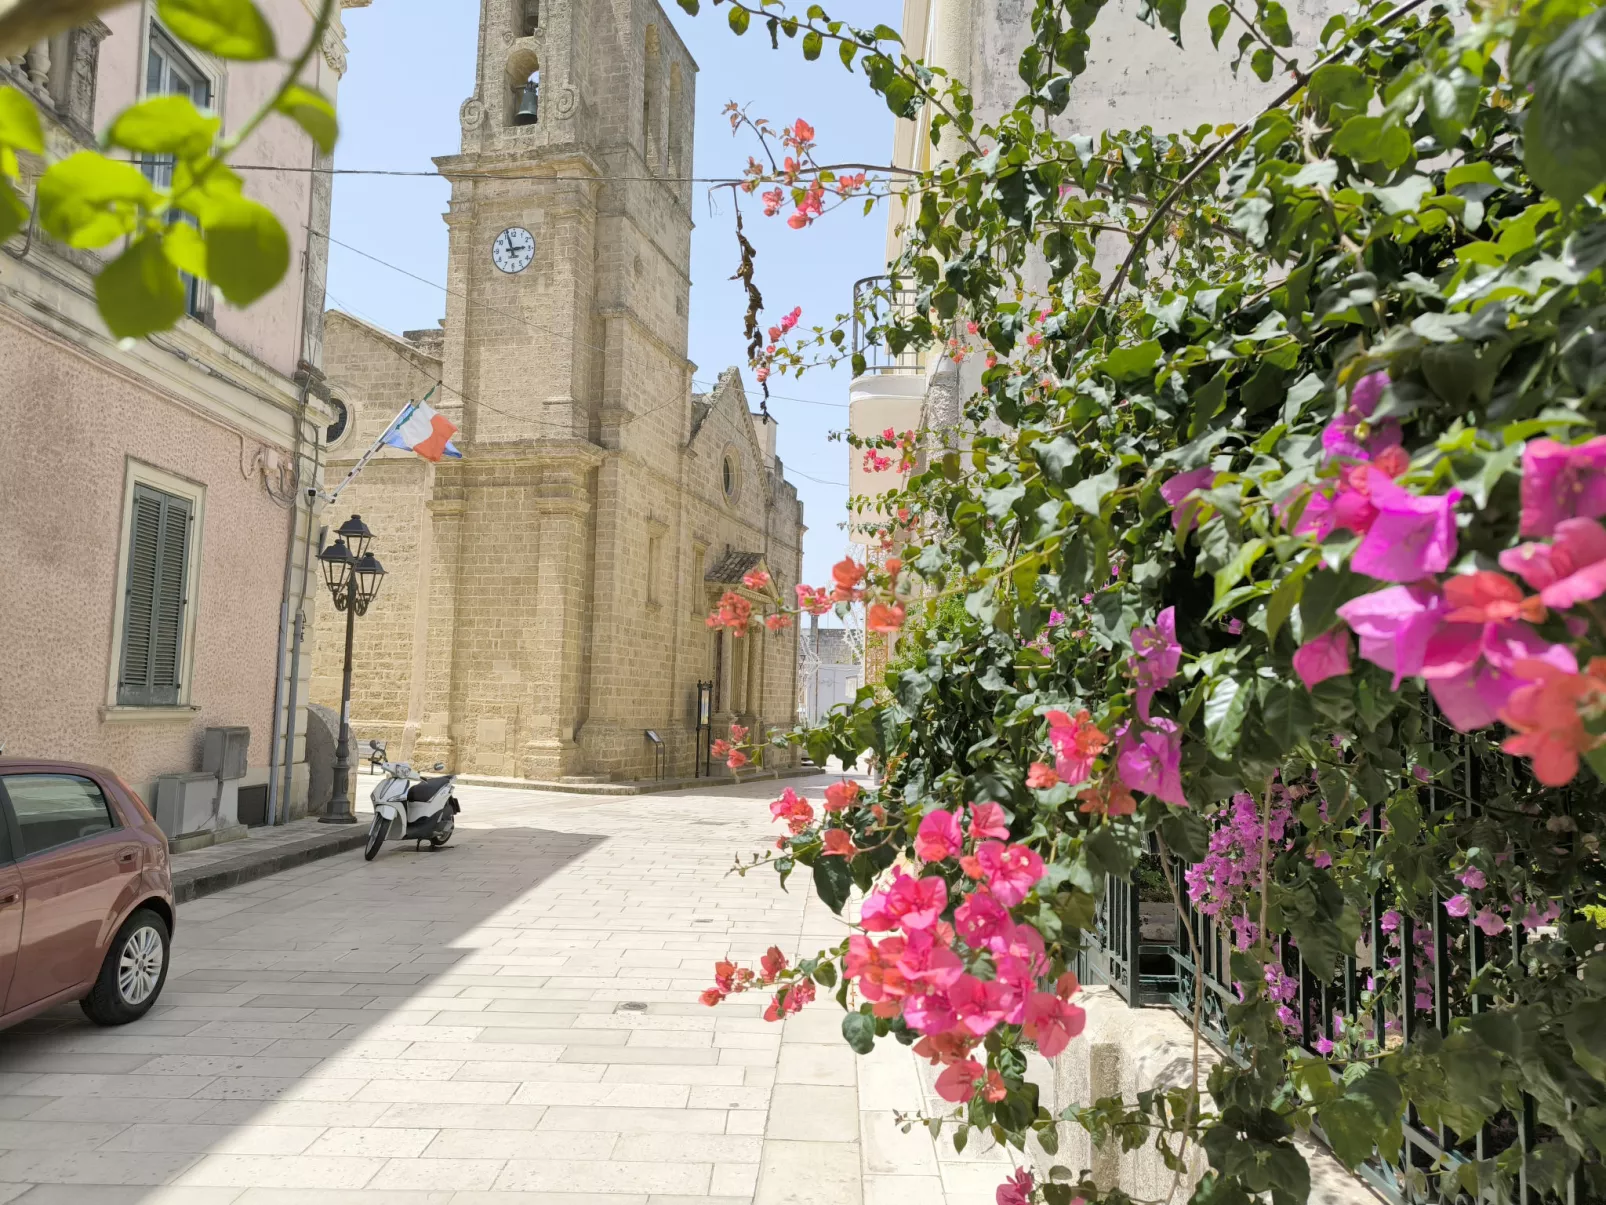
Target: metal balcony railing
x: 875, y: 299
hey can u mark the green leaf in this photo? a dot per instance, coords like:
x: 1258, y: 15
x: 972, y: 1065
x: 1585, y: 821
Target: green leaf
x: 1274, y: 24
x: 230, y: 29
x: 1263, y: 63
x: 858, y: 1030
x: 164, y: 125
x: 813, y: 43
x: 1088, y: 495
x: 1243, y: 561
x: 140, y: 291
x: 1287, y: 714
x: 247, y: 251
x: 825, y: 975
x: 19, y: 123
x: 833, y: 881
x: 1340, y: 91
x: 690, y: 6
x: 1564, y: 139
x: 186, y: 248
x: 1368, y: 139
x: 1224, y: 714
x: 313, y: 112
x: 1220, y: 18
x: 738, y: 19
x: 1130, y: 363
x: 88, y: 200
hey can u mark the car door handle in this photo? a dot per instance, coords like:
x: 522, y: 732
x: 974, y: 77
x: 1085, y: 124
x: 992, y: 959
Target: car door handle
x: 126, y: 858
x: 7, y: 900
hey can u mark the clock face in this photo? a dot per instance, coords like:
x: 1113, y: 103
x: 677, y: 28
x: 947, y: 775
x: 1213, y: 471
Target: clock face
x: 513, y: 250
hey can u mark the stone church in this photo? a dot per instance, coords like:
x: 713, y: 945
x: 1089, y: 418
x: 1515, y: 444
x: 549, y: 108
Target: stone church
x: 545, y: 603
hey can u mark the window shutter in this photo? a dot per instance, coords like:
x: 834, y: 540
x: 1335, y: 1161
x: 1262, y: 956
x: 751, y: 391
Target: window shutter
x: 153, y: 611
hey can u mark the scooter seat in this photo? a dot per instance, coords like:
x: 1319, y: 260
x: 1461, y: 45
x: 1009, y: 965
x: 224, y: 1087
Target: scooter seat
x: 422, y: 792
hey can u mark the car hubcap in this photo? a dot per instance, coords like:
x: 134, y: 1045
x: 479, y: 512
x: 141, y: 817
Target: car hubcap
x: 140, y: 965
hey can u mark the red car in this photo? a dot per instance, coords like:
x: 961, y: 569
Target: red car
x: 86, y: 898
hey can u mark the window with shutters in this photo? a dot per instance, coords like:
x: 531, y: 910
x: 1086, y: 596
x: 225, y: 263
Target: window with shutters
x: 156, y: 598
x: 168, y: 72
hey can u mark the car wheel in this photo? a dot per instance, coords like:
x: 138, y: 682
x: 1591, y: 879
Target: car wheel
x: 133, y: 974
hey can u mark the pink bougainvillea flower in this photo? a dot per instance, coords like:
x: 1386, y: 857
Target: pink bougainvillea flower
x: 939, y: 837
x: 1325, y: 657
x: 794, y: 809
x: 1017, y: 1190
x: 1411, y: 537
x: 1052, y: 1022
x: 1544, y: 713
x: 1157, y: 655
x: 977, y: 1006
x: 913, y: 903
x: 1394, y: 626
x: 1178, y: 488
x: 1040, y: 776
x: 756, y: 580
x: 736, y: 760
x: 981, y: 920
x: 1457, y: 905
x: 1110, y: 798
x: 987, y: 820
x: 1568, y: 571
x: 927, y: 959
x: 1345, y: 437
x: 993, y: 1089
x: 847, y: 574
x: 1077, y: 744
x: 841, y: 794
x: 1473, y: 879
x: 1150, y: 760
x: 816, y: 600
x: 928, y: 1011
x: 875, y: 967
x: 839, y: 843
x: 958, y: 1080
x: 884, y: 617
x: 1491, y: 924
x: 1562, y: 481
x: 772, y: 963
x: 1010, y: 871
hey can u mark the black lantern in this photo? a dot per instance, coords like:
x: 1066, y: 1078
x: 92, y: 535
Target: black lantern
x: 356, y: 535
x: 369, y: 573
x: 337, y: 562
x: 353, y: 575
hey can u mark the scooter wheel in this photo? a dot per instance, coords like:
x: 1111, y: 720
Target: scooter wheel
x: 440, y: 838
x: 376, y: 838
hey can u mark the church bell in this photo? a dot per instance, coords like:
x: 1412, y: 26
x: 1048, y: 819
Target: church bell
x: 529, y: 105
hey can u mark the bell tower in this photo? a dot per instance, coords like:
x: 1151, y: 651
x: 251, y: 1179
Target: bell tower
x: 564, y: 365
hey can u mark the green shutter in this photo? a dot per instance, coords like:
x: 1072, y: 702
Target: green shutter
x: 153, y: 607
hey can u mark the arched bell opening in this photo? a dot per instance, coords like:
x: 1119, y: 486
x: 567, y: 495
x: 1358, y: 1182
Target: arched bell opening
x: 524, y: 87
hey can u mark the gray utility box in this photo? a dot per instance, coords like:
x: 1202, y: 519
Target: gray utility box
x: 185, y: 802
x: 224, y: 750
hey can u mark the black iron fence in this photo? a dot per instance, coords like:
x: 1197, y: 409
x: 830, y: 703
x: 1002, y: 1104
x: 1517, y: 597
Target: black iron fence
x: 1410, y: 974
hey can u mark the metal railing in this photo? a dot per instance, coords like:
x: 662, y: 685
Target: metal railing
x: 875, y: 299
x: 1409, y: 975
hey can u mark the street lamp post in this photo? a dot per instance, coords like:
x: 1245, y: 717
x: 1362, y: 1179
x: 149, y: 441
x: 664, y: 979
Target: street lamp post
x: 354, y: 575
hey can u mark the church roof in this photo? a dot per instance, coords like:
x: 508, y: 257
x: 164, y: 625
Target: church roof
x: 733, y: 566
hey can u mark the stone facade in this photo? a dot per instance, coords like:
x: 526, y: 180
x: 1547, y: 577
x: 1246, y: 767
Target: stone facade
x: 546, y: 594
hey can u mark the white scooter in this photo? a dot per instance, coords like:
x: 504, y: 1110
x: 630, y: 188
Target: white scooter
x: 410, y: 807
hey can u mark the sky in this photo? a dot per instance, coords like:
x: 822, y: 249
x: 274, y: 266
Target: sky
x: 411, y: 65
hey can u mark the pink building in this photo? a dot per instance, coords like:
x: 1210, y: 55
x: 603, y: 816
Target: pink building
x: 155, y: 527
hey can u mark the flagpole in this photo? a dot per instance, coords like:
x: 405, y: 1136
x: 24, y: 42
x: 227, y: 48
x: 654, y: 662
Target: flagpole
x: 329, y: 499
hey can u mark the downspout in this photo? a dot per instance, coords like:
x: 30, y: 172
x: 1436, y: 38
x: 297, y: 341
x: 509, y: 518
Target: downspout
x: 284, y: 610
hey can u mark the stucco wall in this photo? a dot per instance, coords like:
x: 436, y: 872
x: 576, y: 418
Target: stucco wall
x: 271, y: 328
x: 71, y: 422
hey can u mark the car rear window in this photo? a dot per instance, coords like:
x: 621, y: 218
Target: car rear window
x: 56, y: 809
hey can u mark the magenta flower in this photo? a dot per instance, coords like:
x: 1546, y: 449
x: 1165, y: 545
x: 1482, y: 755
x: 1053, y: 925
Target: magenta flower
x: 1151, y: 761
x: 1177, y: 489
x: 1324, y: 1045
x: 1343, y: 438
x: 1457, y: 905
x: 1325, y: 657
x: 1017, y: 1190
x: 1411, y: 537
x: 1390, y: 921
x: 981, y: 920
x: 1157, y: 657
x: 939, y: 837
x: 1010, y: 871
x: 1570, y: 570
x: 1491, y: 924
x: 1562, y: 481
x: 1235, y: 626
x: 987, y: 820
x: 1473, y: 879
x: 1470, y: 667
x: 927, y: 960
x: 909, y: 903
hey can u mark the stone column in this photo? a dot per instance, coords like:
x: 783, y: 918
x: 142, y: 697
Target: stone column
x: 563, y: 503
x: 430, y: 718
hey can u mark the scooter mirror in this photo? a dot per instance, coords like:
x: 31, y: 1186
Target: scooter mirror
x: 440, y: 765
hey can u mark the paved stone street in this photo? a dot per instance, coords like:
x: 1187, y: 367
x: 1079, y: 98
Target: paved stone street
x: 513, y: 1018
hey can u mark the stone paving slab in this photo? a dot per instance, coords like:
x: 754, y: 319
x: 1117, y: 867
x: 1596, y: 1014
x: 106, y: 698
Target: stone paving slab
x: 511, y: 1020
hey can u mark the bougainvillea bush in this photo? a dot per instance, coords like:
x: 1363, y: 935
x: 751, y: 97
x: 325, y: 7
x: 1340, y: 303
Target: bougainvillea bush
x: 1262, y: 536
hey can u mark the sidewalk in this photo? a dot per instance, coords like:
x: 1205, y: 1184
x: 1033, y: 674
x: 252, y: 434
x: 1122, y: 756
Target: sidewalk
x: 263, y: 851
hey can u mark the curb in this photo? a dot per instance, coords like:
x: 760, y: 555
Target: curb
x: 208, y: 880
